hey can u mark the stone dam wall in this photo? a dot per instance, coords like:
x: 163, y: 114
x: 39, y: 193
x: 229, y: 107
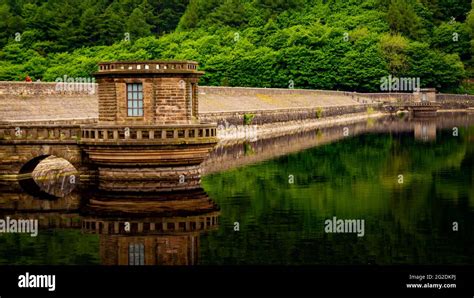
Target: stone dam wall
x: 44, y: 102
x: 259, y: 117
x: 23, y: 101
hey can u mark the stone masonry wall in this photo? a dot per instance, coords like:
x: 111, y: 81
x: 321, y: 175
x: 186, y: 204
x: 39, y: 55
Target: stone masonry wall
x: 121, y: 101
x: 170, y: 105
x: 455, y: 101
x: 107, y: 101
x: 259, y: 117
x: 43, y: 102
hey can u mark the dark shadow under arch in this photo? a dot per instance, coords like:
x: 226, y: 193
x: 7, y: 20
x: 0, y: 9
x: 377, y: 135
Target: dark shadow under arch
x: 32, y: 163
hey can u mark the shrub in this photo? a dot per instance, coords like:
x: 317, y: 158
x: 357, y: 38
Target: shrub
x: 248, y: 118
x: 319, y: 113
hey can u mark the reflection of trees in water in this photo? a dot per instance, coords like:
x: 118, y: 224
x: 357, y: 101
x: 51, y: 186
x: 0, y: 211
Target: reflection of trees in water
x: 59, y: 240
x: 354, y: 178
x: 279, y: 222
x: 467, y: 167
x: 230, y: 155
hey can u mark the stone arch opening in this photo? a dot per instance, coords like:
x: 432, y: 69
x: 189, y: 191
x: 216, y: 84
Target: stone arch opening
x: 32, y: 163
x: 48, y: 177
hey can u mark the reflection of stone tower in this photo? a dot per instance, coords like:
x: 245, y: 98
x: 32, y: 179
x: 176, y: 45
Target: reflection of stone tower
x: 160, y: 229
x: 149, y: 249
x: 425, y: 131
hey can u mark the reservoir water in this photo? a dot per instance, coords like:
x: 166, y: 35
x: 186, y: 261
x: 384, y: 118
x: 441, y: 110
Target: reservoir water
x: 266, y: 202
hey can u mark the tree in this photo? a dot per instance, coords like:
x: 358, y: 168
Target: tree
x: 454, y: 8
x: 402, y: 18
x: 112, y: 28
x: 325, y: 44
x: 453, y: 38
x: 137, y: 25
x: 10, y: 24
x: 434, y: 68
x: 278, y: 6
x: 231, y: 13
x: 89, y: 27
x: 393, y: 48
x: 191, y: 16
x: 165, y: 14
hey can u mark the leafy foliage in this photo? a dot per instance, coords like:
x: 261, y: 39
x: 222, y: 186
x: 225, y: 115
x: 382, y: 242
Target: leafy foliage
x: 321, y: 44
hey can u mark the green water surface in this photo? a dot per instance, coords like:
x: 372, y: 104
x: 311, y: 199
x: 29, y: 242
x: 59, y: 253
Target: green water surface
x: 281, y: 206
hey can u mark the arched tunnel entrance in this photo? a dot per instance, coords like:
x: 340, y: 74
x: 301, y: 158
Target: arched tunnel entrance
x: 48, y: 177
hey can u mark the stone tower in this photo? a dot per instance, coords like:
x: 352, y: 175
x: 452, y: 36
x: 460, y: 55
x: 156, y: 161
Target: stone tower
x: 149, y: 137
x: 154, y: 92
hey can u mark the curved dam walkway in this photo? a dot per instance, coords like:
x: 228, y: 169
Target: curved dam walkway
x: 44, y: 102
x: 40, y: 101
x: 275, y: 112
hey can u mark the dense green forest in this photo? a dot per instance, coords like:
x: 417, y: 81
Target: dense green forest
x: 322, y: 44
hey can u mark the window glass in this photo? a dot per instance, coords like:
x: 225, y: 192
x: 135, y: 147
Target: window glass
x: 135, y: 100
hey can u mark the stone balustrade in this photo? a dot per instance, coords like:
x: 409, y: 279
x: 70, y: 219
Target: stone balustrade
x: 151, y: 66
x: 148, y: 133
x: 64, y: 134
x: 73, y: 133
x: 424, y: 104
